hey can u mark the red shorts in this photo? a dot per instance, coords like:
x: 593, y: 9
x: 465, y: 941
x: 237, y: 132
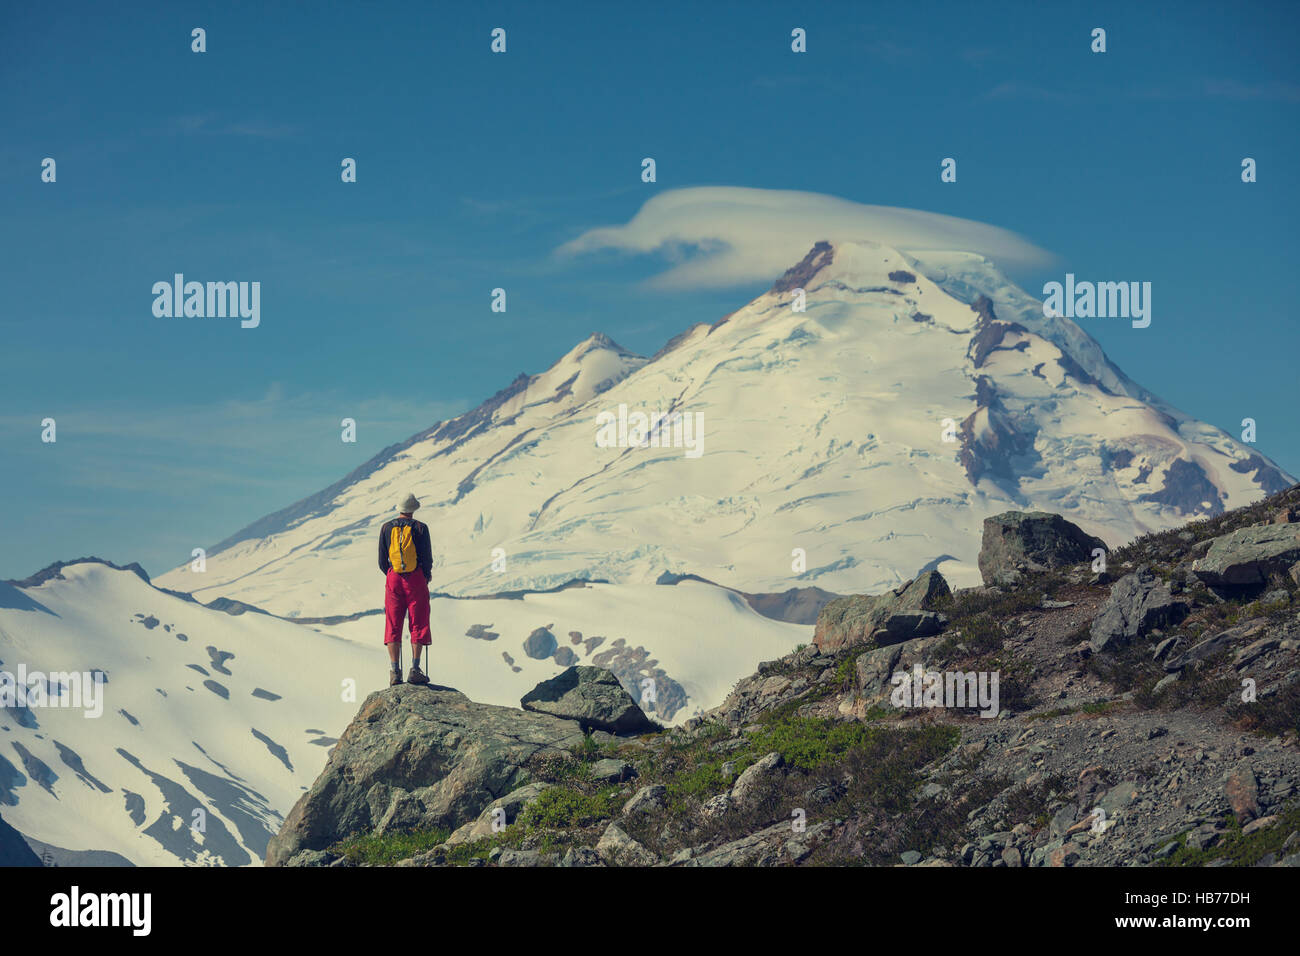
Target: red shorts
x: 405, y: 593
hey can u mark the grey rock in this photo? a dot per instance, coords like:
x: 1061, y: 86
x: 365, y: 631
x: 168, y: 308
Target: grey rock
x: 908, y: 625
x: 421, y: 751
x: 1138, y: 604
x: 616, y: 848
x: 1166, y: 647
x: 1016, y: 542
x: 778, y: 845
x: 581, y: 856
x: 873, y: 670
x: 757, y: 779
x: 1204, y: 650
x: 716, y: 806
x: 611, y: 770
x: 1249, y: 555
x: 310, y: 858
x: 851, y: 620
x: 1254, y: 651
x: 487, y: 822
x: 525, y: 858
x: 1164, y: 682
x: 592, y: 696
x: 646, y: 800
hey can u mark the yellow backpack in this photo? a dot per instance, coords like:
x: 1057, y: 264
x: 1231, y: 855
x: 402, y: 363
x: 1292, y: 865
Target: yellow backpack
x: 401, y: 548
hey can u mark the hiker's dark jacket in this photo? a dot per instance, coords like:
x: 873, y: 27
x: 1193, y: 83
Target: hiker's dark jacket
x: 423, y: 547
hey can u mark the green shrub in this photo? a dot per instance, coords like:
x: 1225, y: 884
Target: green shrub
x: 561, y: 807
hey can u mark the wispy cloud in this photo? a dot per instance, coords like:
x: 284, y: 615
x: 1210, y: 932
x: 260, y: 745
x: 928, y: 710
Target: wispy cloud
x: 1026, y: 91
x: 208, y: 125
x: 1236, y: 90
x: 720, y: 236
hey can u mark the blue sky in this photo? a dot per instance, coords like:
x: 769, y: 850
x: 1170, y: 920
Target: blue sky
x: 474, y: 169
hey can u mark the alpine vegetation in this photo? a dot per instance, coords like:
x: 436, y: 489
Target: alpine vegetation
x: 209, y: 300
x: 1102, y: 300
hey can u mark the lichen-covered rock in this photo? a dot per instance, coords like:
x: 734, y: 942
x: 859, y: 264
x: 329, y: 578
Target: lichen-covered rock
x: 1016, y: 542
x: 850, y: 620
x: 418, y: 757
x: 1248, y: 556
x: 777, y: 845
x: 616, y: 848
x: 593, y: 697
x: 1138, y: 604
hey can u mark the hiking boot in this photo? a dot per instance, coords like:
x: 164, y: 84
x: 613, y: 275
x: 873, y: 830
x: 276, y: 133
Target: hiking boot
x: 417, y: 676
x: 394, y: 678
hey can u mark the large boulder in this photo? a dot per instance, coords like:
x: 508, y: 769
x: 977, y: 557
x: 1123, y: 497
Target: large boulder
x: 1248, y: 556
x: 1016, y: 542
x: 859, y: 617
x: 418, y: 757
x: 1138, y: 604
x: 592, y: 696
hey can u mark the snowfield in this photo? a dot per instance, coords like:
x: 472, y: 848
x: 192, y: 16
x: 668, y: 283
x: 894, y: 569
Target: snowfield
x: 233, y: 716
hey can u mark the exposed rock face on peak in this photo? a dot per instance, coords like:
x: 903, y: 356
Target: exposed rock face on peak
x: 1016, y: 542
x: 54, y: 572
x: 798, y: 276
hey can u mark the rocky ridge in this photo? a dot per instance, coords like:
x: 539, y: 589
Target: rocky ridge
x: 1146, y: 713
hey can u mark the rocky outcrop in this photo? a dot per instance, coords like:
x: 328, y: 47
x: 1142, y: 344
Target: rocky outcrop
x: 593, y: 697
x: 498, y: 814
x: 418, y: 757
x: 1016, y: 542
x: 861, y: 617
x: 1138, y: 604
x: 1248, y: 556
x: 777, y: 845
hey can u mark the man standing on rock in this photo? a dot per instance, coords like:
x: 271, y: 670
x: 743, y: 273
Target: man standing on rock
x: 406, y: 558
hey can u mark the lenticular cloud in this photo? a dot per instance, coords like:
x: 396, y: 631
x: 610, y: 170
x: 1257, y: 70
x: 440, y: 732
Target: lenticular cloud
x: 720, y: 236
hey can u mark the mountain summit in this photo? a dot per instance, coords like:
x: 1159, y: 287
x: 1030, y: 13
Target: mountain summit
x: 857, y: 422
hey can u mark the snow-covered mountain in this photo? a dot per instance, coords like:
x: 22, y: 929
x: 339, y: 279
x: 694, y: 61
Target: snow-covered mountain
x: 821, y: 434
x: 233, y: 714
x: 841, y: 446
